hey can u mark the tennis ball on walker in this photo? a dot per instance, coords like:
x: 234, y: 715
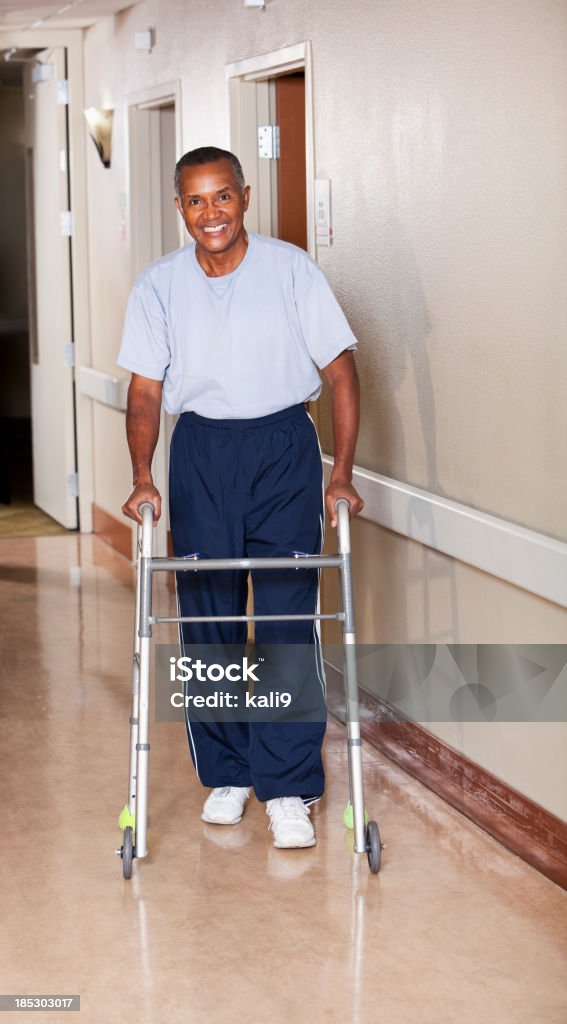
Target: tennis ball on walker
x: 126, y: 819
x: 348, y: 817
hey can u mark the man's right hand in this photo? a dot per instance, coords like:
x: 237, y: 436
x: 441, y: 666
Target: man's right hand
x: 142, y: 492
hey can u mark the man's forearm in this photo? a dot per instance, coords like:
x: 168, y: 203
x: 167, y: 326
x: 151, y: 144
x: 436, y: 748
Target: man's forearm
x: 142, y: 432
x: 345, y: 406
x: 342, y: 378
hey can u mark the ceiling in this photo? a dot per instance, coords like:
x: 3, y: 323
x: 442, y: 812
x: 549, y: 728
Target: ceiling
x: 26, y: 14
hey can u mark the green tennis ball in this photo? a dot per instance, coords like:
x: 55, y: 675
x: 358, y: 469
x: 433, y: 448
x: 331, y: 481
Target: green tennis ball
x: 348, y: 817
x: 126, y: 818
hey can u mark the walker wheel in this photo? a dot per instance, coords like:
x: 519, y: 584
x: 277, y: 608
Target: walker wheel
x: 128, y: 853
x: 373, y: 847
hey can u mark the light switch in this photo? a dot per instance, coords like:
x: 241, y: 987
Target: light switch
x: 323, y: 228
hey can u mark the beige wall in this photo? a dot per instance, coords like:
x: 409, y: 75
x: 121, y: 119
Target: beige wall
x: 458, y: 203
x: 439, y: 125
x: 414, y: 595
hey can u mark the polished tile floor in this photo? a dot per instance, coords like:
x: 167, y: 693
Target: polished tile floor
x: 217, y: 926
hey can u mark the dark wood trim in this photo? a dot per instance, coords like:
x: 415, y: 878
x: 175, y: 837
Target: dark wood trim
x: 113, y: 532
x: 521, y: 825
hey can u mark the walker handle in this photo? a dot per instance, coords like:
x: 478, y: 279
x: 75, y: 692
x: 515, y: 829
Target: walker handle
x: 145, y: 531
x: 145, y: 509
x: 342, y: 507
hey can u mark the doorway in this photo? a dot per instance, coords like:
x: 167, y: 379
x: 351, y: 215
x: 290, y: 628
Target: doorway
x: 154, y: 139
x: 271, y: 131
x: 37, y: 401
x: 291, y: 189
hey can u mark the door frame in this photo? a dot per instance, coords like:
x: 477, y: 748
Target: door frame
x: 153, y: 98
x: 161, y: 95
x: 260, y: 68
x: 50, y: 300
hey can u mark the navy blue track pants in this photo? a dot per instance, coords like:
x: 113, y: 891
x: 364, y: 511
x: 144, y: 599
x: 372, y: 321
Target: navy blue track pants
x: 250, y: 488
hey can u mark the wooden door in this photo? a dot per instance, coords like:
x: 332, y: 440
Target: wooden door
x: 292, y: 196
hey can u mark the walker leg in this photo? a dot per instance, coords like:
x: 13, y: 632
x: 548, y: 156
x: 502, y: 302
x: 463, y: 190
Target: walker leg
x: 143, y: 750
x: 366, y: 835
x: 127, y: 818
x: 354, y: 744
x: 145, y: 635
x: 133, y: 817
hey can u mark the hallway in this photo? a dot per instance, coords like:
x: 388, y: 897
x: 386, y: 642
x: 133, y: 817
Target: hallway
x: 217, y: 925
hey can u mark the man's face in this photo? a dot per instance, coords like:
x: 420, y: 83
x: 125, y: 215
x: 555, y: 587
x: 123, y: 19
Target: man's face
x: 213, y: 205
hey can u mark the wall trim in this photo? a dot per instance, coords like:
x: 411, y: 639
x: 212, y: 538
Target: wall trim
x: 262, y: 65
x: 530, y: 560
x: 112, y: 531
x: 522, y: 826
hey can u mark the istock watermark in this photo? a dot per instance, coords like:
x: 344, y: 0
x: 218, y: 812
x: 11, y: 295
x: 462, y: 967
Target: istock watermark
x: 280, y: 682
x: 184, y: 670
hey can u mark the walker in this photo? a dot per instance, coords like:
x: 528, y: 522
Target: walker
x: 133, y: 817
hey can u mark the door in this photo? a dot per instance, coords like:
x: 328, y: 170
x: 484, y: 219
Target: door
x: 291, y: 171
x: 278, y: 200
x: 49, y: 286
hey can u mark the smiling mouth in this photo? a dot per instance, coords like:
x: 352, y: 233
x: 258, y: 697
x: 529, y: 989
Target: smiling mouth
x: 216, y: 230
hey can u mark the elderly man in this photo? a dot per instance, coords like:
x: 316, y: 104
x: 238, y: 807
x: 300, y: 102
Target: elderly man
x: 231, y: 331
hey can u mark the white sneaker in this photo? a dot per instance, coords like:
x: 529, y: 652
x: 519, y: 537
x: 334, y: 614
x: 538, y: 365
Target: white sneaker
x: 225, y: 805
x: 289, y: 821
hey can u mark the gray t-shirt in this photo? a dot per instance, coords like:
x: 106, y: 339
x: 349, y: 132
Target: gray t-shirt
x: 235, y: 347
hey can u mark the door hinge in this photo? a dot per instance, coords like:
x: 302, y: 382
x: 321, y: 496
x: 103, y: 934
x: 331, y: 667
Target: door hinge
x: 63, y: 92
x: 269, y: 141
x: 73, y: 485
x: 66, y: 223
x: 69, y: 354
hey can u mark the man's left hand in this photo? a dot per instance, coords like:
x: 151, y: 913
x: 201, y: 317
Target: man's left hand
x: 337, y: 490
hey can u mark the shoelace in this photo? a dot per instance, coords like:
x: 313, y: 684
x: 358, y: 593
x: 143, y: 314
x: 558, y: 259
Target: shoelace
x: 292, y: 809
x: 225, y: 790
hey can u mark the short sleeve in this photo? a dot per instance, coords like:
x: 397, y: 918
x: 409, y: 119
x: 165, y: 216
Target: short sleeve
x: 323, y: 324
x: 145, y: 346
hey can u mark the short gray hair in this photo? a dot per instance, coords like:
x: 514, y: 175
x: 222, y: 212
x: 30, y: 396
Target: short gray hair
x: 207, y: 155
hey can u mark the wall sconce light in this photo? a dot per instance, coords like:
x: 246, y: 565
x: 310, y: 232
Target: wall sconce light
x: 145, y: 41
x: 100, y: 131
